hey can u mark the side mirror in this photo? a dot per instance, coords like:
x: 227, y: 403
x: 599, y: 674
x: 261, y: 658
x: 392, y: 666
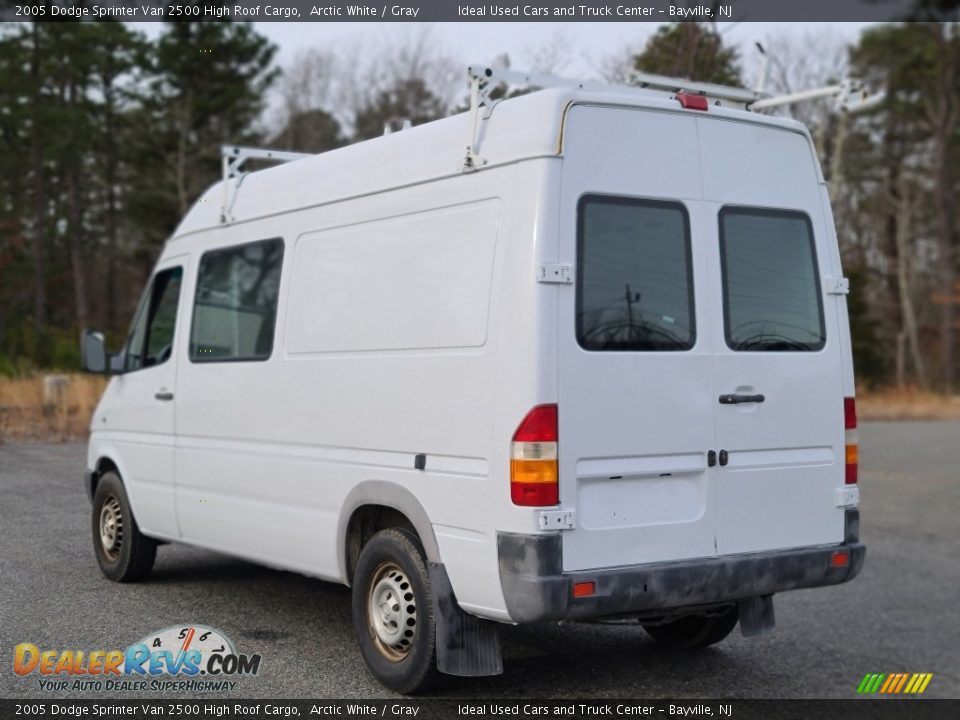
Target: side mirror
x: 93, y: 352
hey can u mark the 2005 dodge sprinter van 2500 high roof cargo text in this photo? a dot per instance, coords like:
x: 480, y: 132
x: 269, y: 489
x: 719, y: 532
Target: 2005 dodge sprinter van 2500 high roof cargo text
x: 598, y: 366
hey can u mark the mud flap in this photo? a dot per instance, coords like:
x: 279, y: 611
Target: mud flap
x: 466, y: 645
x: 756, y: 615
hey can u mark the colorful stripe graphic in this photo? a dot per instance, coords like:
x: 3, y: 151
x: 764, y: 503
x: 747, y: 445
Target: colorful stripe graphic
x: 894, y: 683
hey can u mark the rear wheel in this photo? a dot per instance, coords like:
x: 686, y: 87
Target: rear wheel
x: 393, y: 611
x: 694, y: 631
x: 124, y: 553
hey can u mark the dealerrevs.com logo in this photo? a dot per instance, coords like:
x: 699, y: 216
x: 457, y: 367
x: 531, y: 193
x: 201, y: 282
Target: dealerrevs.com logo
x: 190, y: 658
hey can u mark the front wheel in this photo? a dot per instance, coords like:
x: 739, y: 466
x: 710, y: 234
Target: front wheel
x: 393, y: 611
x: 124, y: 553
x: 694, y: 631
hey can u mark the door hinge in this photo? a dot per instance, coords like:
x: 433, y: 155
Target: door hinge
x: 556, y: 520
x: 561, y: 274
x: 837, y: 286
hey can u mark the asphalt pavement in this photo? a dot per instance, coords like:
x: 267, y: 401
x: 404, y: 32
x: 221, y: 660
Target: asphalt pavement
x: 899, y: 615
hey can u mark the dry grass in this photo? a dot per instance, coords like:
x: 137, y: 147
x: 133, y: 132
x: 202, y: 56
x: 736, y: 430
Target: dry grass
x: 906, y: 404
x: 63, y: 413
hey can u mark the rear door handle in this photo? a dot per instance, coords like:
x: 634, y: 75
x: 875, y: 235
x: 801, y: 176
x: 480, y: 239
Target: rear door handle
x: 163, y: 395
x: 734, y: 399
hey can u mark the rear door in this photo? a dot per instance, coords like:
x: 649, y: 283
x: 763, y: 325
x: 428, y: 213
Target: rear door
x: 779, y: 405
x: 636, y: 399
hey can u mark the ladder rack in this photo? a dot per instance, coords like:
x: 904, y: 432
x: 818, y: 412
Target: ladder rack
x: 850, y: 96
x: 483, y: 80
x: 233, y: 157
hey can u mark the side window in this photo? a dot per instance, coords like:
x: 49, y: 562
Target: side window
x: 634, y: 278
x: 235, y: 306
x: 771, y: 288
x: 151, y: 340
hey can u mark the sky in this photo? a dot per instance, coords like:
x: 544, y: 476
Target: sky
x: 584, y: 46
x: 479, y: 42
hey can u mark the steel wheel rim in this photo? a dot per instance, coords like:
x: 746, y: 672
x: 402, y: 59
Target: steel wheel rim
x: 111, y: 527
x: 392, y: 612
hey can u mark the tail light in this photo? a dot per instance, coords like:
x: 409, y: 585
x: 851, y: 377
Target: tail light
x: 851, y: 451
x: 534, y: 475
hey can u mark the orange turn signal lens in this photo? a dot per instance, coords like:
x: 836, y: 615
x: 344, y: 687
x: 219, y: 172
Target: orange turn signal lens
x: 853, y: 454
x: 533, y: 471
x: 852, y: 458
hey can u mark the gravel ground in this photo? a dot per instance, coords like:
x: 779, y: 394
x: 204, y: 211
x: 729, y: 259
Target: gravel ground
x: 899, y: 615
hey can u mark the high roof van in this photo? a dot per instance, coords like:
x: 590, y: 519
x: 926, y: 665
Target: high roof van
x: 598, y: 367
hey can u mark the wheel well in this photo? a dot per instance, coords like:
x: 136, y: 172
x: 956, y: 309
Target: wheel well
x: 365, y: 522
x: 104, y: 465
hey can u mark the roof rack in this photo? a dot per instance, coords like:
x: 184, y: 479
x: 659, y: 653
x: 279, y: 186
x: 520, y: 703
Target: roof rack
x: 483, y: 80
x: 850, y: 95
x: 233, y: 157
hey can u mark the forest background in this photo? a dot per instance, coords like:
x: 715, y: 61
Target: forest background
x: 107, y: 136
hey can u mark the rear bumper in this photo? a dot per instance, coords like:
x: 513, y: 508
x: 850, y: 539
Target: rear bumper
x: 536, y: 589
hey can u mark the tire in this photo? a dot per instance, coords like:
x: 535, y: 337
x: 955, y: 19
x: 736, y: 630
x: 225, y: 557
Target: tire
x: 694, y: 631
x: 124, y: 553
x: 393, y: 612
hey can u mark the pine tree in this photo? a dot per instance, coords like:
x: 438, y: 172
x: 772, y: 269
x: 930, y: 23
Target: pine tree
x: 690, y: 50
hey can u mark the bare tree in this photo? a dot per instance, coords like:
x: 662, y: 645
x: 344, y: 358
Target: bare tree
x: 617, y: 67
x: 411, y: 58
x: 941, y: 111
x: 908, y: 335
x: 800, y: 62
x: 307, y: 119
x: 551, y: 56
x: 308, y: 82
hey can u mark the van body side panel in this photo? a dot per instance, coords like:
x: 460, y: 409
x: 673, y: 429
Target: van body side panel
x: 634, y: 426
x: 365, y: 295
x: 269, y: 451
x: 843, y: 317
x: 524, y: 326
x: 786, y: 454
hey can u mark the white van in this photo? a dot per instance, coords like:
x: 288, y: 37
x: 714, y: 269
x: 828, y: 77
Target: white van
x: 599, y: 368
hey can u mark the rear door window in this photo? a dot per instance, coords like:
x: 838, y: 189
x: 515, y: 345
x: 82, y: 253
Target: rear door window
x: 771, y: 288
x: 635, y: 280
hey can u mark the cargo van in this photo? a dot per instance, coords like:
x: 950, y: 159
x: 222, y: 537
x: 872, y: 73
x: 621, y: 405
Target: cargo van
x: 596, y: 366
